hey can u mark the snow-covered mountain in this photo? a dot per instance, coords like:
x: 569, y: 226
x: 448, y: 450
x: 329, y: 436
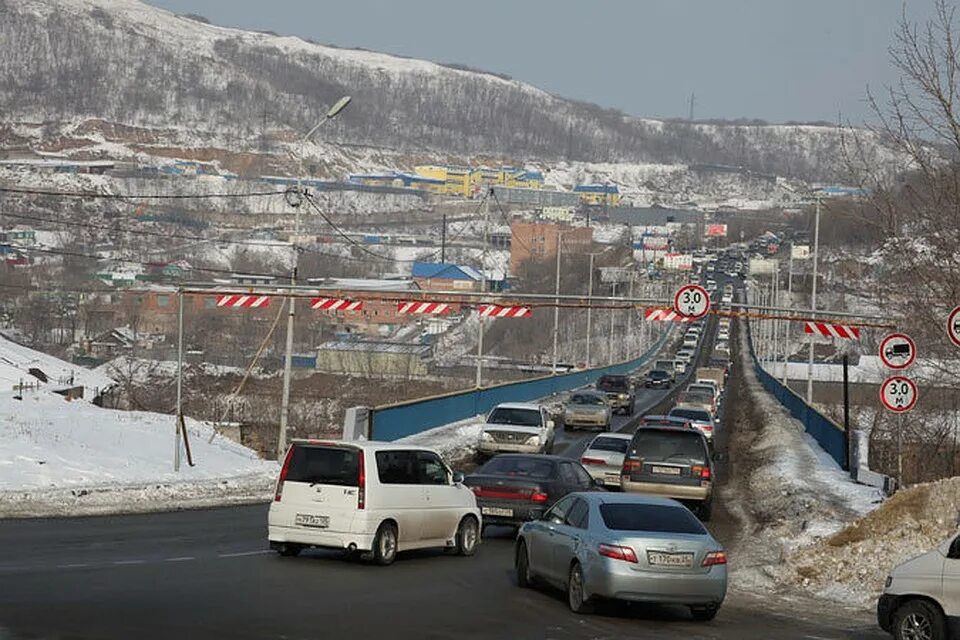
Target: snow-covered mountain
x: 138, y: 79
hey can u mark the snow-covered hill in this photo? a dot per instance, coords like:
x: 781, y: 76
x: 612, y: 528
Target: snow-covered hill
x: 118, y: 76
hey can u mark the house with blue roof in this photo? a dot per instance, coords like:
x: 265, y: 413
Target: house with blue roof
x: 598, y: 194
x: 441, y: 276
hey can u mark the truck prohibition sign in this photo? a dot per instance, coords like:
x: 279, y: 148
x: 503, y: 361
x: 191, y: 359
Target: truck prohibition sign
x: 691, y: 301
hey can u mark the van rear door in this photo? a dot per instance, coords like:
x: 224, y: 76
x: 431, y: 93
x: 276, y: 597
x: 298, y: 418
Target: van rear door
x: 320, y: 487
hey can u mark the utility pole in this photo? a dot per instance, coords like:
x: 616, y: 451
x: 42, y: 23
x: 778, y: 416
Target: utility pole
x: 629, y: 335
x: 590, y: 310
x: 483, y: 285
x: 813, y: 299
x: 612, y: 317
x: 786, y: 331
x: 443, y: 240
x: 179, y: 419
x: 693, y: 99
x: 776, y: 323
x: 556, y: 303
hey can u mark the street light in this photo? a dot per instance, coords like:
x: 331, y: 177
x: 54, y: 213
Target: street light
x: 332, y: 112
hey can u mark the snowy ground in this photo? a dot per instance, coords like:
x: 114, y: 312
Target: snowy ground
x: 73, y: 458
x: 16, y: 361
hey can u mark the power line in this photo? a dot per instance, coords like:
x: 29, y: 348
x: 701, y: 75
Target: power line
x: 136, y: 196
x: 77, y: 254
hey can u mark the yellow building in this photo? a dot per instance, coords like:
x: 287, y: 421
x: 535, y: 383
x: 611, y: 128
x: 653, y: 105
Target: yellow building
x: 598, y: 194
x: 467, y: 182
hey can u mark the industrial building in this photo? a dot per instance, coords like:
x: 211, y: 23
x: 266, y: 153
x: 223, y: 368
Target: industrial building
x: 374, y: 358
x: 538, y: 240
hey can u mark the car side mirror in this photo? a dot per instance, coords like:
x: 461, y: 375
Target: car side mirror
x: 458, y: 477
x: 954, y: 552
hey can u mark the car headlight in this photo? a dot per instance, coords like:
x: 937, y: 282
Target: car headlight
x: 533, y: 440
x: 486, y: 437
x: 623, y: 396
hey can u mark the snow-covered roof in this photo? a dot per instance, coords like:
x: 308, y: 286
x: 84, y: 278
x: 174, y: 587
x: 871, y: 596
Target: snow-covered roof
x: 17, y: 360
x: 444, y: 270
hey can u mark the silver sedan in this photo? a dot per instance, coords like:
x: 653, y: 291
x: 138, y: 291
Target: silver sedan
x: 587, y: 409
x: 624, y: 547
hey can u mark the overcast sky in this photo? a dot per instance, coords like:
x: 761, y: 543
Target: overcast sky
x: 778, y: 60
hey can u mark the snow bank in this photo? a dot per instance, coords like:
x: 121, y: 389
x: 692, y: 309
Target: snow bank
x: 852, y: 564
x: 786, y: 490
x: 455, y: 441
x: 70, y: 458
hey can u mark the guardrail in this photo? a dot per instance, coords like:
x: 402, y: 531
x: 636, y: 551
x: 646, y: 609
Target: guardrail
x: 390, y: 422
x: 831, y: 437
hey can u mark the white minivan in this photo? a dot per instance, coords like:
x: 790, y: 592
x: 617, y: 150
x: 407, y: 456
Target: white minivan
x: 375, y: 498
x: 921, y: 598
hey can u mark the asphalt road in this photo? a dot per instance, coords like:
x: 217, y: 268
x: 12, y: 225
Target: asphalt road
x: 207, y: 574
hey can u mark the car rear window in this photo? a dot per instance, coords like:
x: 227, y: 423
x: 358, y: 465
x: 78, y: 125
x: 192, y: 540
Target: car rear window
x: 589, y: 399
x: 663, y: 445
x: 613, y: 384
x: 522, y: 466
x: 324, y: 465
x: 701, y: 389
x: 618, y: 445
x: 692, y: 414
x: 655, y: 518
x: 658, y: 373
x: 521, y: 417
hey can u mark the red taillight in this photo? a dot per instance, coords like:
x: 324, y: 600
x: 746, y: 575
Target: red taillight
x: 361, y: 482
x: 715, y: 558
x: 539, y: 496
x: 283, y: 473
x: 702, y: 472
x: 631, y: 466
x: 617, y: 552
x: 591, y: 461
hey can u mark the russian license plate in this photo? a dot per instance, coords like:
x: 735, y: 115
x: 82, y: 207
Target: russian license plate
x: 614, y: 480
x: 669, y: 471
x: 659, y: 559
x: 496, y: 511
x: 310, y: 520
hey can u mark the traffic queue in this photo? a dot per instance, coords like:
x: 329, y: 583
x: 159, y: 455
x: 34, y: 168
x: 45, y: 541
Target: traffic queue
x: 622, y: 522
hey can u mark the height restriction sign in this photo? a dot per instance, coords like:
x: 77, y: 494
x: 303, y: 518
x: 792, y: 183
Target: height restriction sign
x: 898, y: 351
x: 898, y: 394
x: 953, y: 326
x: 691, y: 301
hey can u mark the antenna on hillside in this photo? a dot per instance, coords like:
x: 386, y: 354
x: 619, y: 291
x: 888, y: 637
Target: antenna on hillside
x: 693, y: 100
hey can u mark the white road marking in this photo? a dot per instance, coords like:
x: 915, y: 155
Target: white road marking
x: 179, y: 559
x: 76, y: 565
x: 125, y: 562
x: 243, y: 553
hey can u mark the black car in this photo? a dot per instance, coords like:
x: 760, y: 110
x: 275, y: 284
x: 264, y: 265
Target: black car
x: 658, y: 379
x: 514, y: 488
x: 619, y: 392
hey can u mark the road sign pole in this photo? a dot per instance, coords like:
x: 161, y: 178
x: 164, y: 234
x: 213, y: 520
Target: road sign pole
x: 899, y: 450
x: 786, y: 330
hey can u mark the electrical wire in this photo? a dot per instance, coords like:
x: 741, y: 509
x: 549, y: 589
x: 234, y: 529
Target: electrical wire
x: 136, y: 196
x: 77, y: 254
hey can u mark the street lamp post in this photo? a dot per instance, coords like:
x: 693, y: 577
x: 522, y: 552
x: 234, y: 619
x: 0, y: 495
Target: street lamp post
x: 590, y: 310
x: 291, y: 302
x: 556, y: 306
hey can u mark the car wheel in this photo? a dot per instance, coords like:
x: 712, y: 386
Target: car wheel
x: 525, y: 577
x: 290, y: 550
x: 704, y: 614
x: 468, y: 536
x: 706, y: 510
x: 919, y: 620
x: 576, y: 598
x: 385, y: 544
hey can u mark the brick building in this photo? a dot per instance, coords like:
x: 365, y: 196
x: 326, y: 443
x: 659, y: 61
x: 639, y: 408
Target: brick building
x: 538, y: 241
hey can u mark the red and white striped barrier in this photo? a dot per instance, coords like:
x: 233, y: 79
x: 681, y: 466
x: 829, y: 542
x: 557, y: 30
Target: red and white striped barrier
x: 430, y: 308
x: 336, y: 304
x: 496, y: 311
x: 664, y: 315
x: 832, y: 330
x: 245, y: 302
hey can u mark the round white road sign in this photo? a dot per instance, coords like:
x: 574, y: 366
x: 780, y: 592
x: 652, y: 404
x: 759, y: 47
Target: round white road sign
x: 691, y: 301
x: 898, y: 351
x: 898, y: 394
x: 953, y: 326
